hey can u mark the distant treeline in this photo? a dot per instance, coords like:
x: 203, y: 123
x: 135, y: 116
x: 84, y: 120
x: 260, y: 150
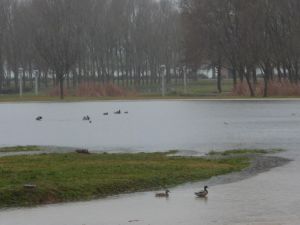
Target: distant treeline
x: 121, y: 41
x: 128, y: 41
x: 247, y: 36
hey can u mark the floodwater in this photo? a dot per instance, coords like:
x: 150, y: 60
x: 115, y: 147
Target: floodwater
x: 270, y: 198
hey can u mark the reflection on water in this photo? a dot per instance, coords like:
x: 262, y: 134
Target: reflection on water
x: 269, y: 198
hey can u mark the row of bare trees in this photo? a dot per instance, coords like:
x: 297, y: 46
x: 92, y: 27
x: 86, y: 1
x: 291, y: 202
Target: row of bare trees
x: 88, y: 40
x: 248, y: 37
x: 127, y: 41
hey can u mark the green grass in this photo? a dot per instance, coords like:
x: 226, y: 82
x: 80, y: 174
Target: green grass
x: 71, y: 177
x: 19, y: 149
x: 205, y: 88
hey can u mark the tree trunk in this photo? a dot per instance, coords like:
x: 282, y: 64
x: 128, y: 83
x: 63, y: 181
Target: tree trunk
x: 266, y: 84
x: 279, y: 72
x: 266, y: 79
x: 61, y: 86
x: 1, y: 72
x: 234, y: 78
x: 219, y: 78
x: 241, y: 73
x: 16, y: 78
x: 249, y: 84
x: 296, y: 72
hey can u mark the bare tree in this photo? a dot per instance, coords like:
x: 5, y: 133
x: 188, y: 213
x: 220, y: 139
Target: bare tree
x: 57, y: 35
x: 4, y: 8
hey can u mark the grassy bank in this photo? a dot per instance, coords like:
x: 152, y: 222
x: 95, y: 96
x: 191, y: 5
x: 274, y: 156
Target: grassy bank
x: 195, y: 89
x: 201, y: 89
x: 45, y: 98
x: 71, y: 176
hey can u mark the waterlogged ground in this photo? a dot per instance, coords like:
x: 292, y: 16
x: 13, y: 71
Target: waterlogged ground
x: 270, y: 198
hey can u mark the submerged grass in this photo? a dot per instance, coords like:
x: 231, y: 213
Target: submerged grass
x: 19, y: 149
x: 71, y: 176
x: 244, y: 151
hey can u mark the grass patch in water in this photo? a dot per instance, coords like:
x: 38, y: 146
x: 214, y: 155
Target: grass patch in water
x: 20, y: 149
x: 72, y: 177
x: 244, y: 152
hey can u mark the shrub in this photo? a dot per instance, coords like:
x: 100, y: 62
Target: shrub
x: 275, y: 88
x: 90, y: 89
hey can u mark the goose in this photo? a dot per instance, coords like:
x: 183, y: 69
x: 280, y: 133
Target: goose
x: 163, y: 194
x: 202, y: 194
x: 39, y: 118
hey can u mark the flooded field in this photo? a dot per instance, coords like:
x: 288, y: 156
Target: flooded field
x: 270, y: 198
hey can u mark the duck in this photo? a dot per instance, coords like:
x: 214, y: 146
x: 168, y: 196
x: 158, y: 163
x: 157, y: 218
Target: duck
x: 126, y: 112
x: 86, y: 118
x: 39, y: 118
x: 118, y: 112
x: 105, y: 114
x: 163, y: 194
x: 202, y: 194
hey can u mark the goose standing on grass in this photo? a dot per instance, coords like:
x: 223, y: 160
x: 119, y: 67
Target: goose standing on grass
x: 163, y: 194
x: 202, y: 194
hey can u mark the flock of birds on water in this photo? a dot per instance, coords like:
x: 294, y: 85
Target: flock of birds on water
x: 88, y: 118
x: 200, y: 194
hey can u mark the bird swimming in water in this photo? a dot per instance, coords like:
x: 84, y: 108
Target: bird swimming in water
x: 202, y: 194
x: 39, y: 118
x: 86, y: 118
x: 118, y: 112
x: 163, y: 194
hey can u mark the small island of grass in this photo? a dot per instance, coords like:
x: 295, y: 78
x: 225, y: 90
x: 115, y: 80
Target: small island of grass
x: 65, y: 177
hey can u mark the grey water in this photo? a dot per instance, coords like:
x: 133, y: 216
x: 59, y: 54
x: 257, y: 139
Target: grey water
x: 270, y: 198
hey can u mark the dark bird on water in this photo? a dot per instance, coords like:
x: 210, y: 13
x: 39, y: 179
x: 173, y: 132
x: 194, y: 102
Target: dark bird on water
x: 86, y: 118
x: 118, y: 112
x: 202, y: 194
x: 39, y: 118
x: 105, y: 114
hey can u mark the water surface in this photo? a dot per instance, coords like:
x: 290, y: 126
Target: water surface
x: 270, y: 198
